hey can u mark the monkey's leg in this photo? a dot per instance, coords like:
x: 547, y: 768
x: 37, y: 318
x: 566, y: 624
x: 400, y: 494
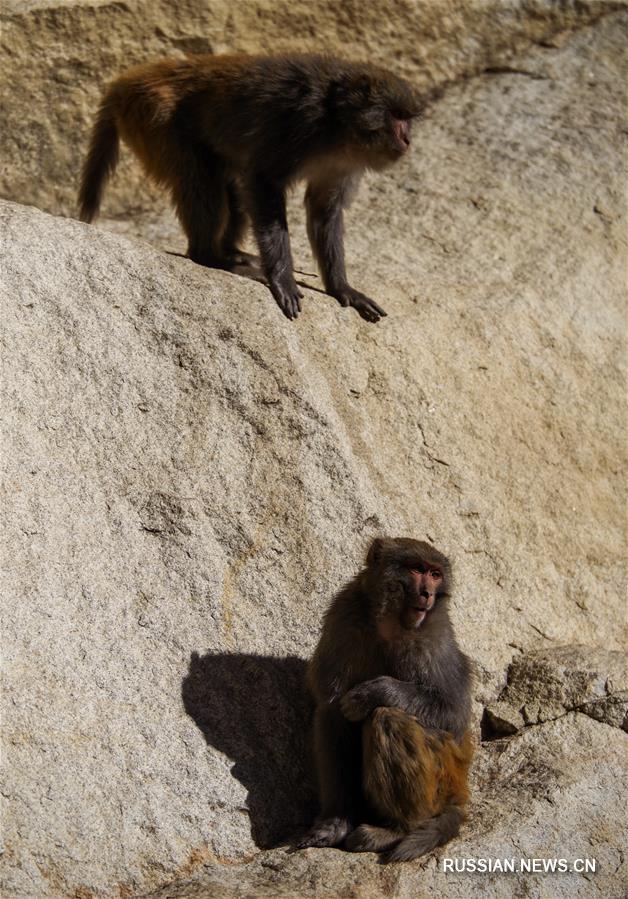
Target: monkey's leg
x: 337, y: 747
x: 433, y: 832
x: 237, y: 222
x: 324, y: 202
x: 200, y: 198
x: 268, y: 213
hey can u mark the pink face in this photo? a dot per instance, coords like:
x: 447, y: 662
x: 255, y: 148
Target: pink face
x: 427, y: 583
x: 427, y: 580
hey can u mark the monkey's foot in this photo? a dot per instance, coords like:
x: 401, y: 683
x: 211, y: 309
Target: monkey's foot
x: 366, y: 307
x: 367, y: 838
x: 328, y: 832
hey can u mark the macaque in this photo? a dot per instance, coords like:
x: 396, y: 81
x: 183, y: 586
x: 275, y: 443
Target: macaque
x: 392, y: 693
x: 228, y: 135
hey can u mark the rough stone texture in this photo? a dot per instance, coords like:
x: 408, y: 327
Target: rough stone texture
x: 536, y: 796
x: 184, y: 489
x: 542, y: 686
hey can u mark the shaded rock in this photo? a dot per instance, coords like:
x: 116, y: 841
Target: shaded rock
x: 500, y: 720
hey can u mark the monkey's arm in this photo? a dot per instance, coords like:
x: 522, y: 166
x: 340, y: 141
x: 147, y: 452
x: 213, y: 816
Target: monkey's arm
x: 429, y: 707
x: 268, y: 214
x: 324, y: 203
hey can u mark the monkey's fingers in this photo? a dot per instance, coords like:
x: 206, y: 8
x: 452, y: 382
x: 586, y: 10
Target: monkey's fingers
x: 353, y: 706
x: 288, y: 299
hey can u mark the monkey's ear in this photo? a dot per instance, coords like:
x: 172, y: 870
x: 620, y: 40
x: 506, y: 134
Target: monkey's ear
x: 376, y: 550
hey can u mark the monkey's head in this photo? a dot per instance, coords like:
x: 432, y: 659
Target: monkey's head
x: 408, y: 580
x: 374, y: 110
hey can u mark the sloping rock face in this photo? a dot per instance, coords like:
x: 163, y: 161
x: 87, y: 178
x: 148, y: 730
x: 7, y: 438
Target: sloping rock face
x: 189, y: 477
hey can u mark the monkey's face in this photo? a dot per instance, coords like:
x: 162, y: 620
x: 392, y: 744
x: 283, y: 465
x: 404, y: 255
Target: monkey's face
x: 419, y: 599
x: 382, y: 137
x: 376, y: 110
x: 409, y: 579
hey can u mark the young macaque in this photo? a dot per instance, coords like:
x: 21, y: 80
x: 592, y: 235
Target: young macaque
x: 392, y: 692
x: 227, y: 135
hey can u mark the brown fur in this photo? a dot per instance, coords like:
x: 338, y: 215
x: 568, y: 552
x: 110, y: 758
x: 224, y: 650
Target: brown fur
x: 411, y: 773
x: 226, y: 135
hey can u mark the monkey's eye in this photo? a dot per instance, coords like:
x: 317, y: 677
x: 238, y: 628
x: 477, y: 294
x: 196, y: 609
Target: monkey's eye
x: 436, y: 574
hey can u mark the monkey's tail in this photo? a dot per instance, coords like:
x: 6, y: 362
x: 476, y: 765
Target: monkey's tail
x: 428, y: 835
x: 100, y: 163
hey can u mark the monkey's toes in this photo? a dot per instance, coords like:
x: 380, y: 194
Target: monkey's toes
x: 369, y: 310
x: 288, y: 309
x: 365, y: 306
x: 327, y: 833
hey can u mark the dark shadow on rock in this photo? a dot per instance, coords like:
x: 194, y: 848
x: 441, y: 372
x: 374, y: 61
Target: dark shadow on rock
x: 257, y: 711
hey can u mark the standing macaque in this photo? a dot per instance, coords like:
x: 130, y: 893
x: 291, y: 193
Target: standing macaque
x: 392, y: 692
x: 227, y: 135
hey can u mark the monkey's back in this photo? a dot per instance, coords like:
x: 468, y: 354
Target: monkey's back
x: 239, y: 105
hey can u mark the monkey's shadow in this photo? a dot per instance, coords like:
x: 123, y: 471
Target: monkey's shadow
x: 257, y: 711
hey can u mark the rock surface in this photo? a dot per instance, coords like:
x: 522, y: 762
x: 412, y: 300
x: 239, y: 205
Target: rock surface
x: 189, y: 477
x: 542, y: 686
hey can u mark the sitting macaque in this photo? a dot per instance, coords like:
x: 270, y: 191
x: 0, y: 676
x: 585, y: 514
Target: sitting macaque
x: 227, y: 135
x: 392, y: 692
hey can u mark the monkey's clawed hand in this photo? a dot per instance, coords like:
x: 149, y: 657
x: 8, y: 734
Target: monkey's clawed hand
x: 325, y: 832
x: 287, y: 294
x: 367, y: 308
x: 360, y: 701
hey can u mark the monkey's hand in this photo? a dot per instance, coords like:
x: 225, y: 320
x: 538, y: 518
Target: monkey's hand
x: 287, y: 294
x: 325, y: 832
x: 367, y: 308
x: 360, y: 701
